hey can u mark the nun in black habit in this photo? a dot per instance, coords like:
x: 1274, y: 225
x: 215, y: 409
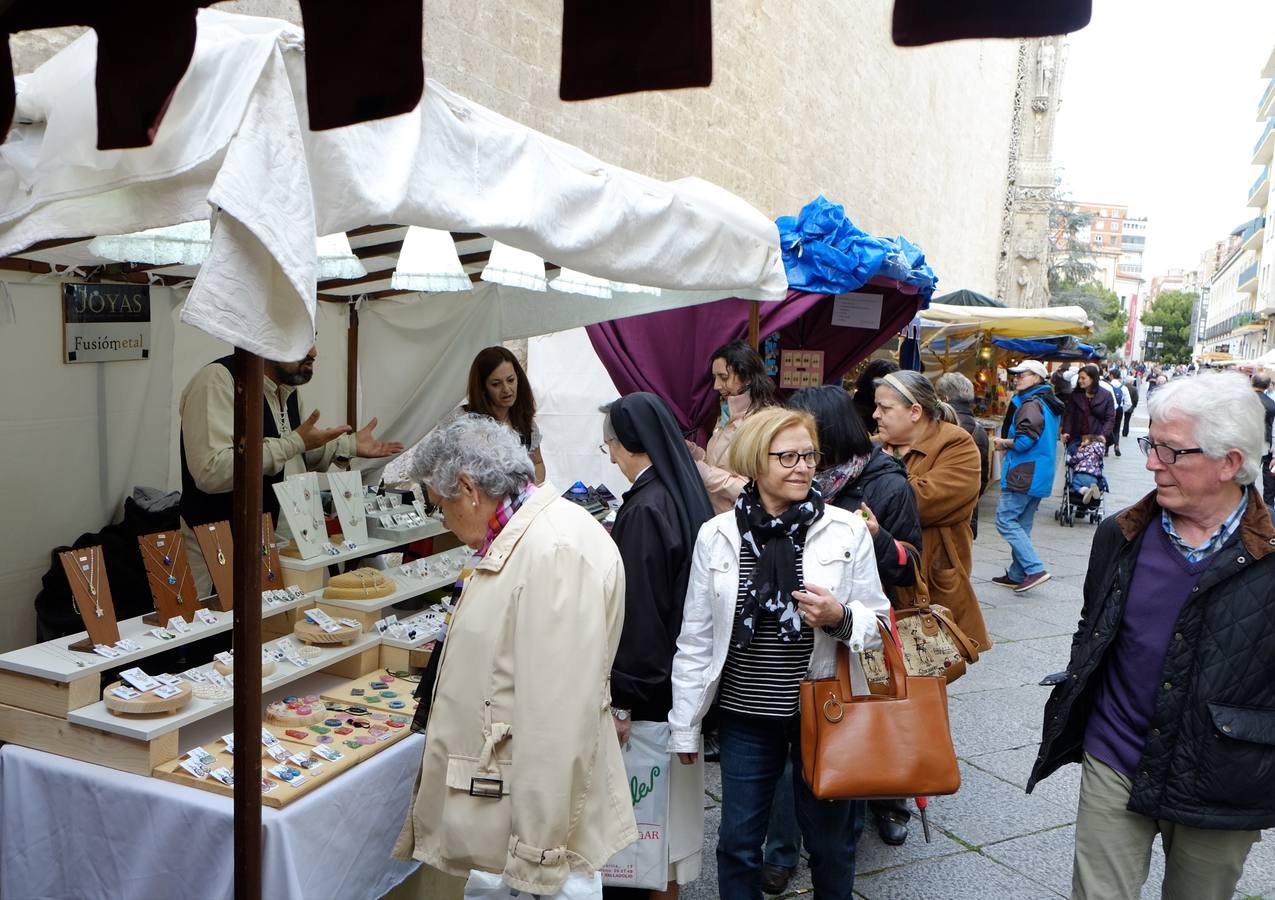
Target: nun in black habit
x: 655, y: 529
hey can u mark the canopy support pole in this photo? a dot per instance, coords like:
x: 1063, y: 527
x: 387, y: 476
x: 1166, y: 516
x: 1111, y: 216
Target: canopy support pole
x: 754, y: 324
x: 245, y: 525
x: 352, y: 368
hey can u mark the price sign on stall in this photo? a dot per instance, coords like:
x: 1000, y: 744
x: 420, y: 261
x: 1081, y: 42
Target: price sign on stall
x: 105, y: 322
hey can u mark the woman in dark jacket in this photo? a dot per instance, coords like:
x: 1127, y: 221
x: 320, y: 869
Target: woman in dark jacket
x: 854, y: 474
x: 655, y: 529
x: 1091, y: 409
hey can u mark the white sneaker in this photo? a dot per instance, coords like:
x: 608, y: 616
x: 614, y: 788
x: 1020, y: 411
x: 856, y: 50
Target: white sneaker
x: 1091, y: 493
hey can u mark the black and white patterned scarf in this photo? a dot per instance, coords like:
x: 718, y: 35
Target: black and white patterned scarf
x: 774, y: 542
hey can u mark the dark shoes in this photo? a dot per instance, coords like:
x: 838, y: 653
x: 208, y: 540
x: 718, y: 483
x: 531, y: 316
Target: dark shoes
x: 1006, y: 581
x: 774, y: 879
x: 1031, y: 581
x: 892, y: 831
x: 1117, y: 451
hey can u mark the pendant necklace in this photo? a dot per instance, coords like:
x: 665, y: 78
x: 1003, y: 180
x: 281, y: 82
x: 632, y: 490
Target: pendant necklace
x: 170, y: 556
x: 175, y: 591
x: 221, y: 557
x: 90, y: 581
x: 267, y: 538
x: 349, y: 501
x: 302, y: 514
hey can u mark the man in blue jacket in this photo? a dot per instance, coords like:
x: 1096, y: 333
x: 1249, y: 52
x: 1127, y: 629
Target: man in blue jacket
x: 1029, y: 434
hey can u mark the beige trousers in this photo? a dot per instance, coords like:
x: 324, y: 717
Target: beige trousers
x: 1113, y: 847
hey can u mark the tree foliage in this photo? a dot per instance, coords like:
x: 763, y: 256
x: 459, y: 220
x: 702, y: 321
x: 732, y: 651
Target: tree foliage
x: 1103, y: 307
x: 1071, y: 256
x: 1172, y: 313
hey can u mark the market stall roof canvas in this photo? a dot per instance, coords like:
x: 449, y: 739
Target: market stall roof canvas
x: 824, y: 255
x: 966, y: 297
x: 235, y: 144
x: 940, y: 321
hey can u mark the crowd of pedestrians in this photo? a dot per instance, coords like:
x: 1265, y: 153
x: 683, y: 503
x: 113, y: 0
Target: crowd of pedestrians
x: 735, y: 571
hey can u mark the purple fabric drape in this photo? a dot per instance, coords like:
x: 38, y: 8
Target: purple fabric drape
x: 667, y: 353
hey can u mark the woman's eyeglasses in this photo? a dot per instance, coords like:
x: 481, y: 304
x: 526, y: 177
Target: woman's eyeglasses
x: 788, y: 458
x: 1166, y: 454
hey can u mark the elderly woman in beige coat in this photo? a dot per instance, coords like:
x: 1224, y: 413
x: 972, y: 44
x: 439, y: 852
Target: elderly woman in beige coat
x: 522, y: 774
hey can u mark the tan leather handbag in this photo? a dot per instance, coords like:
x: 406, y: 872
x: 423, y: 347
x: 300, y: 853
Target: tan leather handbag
x: 933, y: 644
x: 877, y: 746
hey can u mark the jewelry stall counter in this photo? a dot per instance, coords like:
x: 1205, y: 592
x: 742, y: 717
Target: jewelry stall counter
x: 98, y: 717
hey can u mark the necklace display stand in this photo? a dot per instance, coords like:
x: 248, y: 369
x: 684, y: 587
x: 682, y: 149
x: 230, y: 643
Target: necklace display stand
x: 347, y: 498
x: 91, y: 593
x: 299, y: 502
x: 219, y: 553
x: 169, y: 578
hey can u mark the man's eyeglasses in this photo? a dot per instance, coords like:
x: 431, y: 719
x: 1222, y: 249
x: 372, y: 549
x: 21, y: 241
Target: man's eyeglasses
x: 1166, y: 454
x: 788, y: 458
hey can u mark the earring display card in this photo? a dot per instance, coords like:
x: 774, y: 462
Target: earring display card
x: 302, y: 510
x: 91, y: 593
x: 347, y: 498
x: 169, y: 577
x: 219, y: 554
x: 271, y: 573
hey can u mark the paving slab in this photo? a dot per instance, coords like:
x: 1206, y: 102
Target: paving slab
x: 964, y: 876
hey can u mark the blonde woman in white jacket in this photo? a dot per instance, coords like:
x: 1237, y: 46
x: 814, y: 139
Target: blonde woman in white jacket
x: 776, y: 584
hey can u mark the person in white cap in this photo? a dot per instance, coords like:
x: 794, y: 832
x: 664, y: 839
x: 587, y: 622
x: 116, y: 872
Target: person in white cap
x: 1029, y: 439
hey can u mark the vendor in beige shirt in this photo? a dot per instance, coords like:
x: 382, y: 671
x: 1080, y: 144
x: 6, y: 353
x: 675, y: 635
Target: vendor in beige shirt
x: 291, y: 444
x: 739, y: 376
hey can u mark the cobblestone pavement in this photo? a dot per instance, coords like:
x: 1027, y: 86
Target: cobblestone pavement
x: 992, y: 840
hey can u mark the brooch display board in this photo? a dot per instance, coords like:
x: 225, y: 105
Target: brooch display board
x: 800, y: 368
x: 146, y: 703
x: 271, y: 570
x: 347, y: 500
x: 302, y: 509
x: 91, y: 592
x: 376, y: 690
x: 169, y: 578
x: 276, y: 793
x: 219, y: 554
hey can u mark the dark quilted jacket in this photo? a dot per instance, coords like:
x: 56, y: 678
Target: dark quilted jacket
x: 1209, y: 759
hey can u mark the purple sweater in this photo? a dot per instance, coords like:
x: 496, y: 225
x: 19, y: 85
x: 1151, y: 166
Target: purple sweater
x: 1125, y: 702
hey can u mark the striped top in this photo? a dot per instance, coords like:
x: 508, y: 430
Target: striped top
x: 764, y: 678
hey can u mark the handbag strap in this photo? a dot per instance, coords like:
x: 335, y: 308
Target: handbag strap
x: 894, y: 664
x: 920, y: 588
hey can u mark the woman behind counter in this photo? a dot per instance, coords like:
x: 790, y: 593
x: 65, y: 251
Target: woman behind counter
x: 655, y: 530
x: 521, y: 775
x: 943, y: 465
x: 776, y: 585
x: 498, y: 388
x: 739, y: 377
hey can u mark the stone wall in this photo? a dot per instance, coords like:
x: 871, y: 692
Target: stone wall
x: 806, y: 99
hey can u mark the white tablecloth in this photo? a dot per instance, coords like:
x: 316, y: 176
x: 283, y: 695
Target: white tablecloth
x: 75, y: 831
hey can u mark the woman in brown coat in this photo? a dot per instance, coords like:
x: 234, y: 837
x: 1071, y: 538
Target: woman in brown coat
x: 943, y: 468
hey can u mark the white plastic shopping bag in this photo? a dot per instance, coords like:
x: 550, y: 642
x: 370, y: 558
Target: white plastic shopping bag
x: 644, y: 864
x: 486, y: 886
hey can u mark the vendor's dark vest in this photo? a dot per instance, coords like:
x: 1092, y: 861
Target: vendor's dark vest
x: 200, y: 508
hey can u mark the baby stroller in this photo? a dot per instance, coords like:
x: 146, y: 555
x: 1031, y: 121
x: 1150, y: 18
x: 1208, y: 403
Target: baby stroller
x: 1074, y: 505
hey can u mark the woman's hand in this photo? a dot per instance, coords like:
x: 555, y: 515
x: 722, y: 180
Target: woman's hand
x: 870, y: 517
x: 697, y: 452
x: 817, y: 606
x: 623, y: 728
x: 688, y: 759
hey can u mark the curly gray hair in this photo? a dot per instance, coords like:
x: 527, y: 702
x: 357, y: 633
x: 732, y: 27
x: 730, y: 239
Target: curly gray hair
x: 480, y: 447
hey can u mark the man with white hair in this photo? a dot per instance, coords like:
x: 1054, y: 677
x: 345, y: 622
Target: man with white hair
x: 1169, y: 699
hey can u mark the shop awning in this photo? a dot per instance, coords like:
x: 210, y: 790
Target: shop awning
x: 941, y: 321
x: 235, y: 145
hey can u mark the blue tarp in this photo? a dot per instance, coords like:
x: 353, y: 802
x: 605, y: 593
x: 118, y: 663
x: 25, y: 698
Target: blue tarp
x: 1062, y: 349
x: 824, y: 253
